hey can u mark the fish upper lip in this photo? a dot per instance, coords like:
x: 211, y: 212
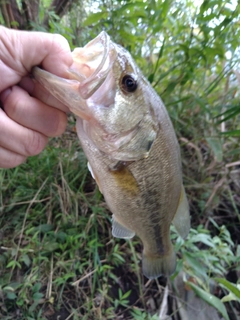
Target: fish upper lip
x: 106, y: 44
x: 89, y: 85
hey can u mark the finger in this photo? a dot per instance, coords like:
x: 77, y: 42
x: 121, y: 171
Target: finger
x: 34, y: 48
x: 19, y: 139
x: 9, y: 159
x: 31, y: 113
x: 57, y: 52
x: 37, y: 91
x: 21, y: 50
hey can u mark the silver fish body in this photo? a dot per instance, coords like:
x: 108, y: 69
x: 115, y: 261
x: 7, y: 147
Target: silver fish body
x: 131, y: 146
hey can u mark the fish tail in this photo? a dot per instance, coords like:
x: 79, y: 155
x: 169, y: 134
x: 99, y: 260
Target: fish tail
x: 155, y: 266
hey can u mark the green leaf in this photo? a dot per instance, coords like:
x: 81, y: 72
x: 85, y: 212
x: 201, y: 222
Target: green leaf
x: 210, y: 299
x: 216, y: 146
x: 36, y: 287
x: 25, y: 258
x: 8, y: 289
x: 94, y: 18
x: 171, y: 86
x: 234, y: 133
x: 204, y: 238
x: 11, y: 295
x: 229, y: 297
x: 229, y: 286
x: 128, y: 37
x: 13, y: 264
x: 132, y: 6
x: 37, y: 296
x: 151, y: 77
x: 228, y: 114
x: 195, y: 264
x: 126, y: 295
x: 20, y: 302
x: 51, y: 246
x: 45, y: 227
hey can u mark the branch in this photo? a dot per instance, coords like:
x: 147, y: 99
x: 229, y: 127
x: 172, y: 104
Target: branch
x: 11, y: 14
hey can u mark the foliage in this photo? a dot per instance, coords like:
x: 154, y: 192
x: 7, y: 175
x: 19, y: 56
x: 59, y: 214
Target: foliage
x: 58, y: 257
x: 25, y: 14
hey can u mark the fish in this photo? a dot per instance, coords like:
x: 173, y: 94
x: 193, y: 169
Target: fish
x: 131, y: 146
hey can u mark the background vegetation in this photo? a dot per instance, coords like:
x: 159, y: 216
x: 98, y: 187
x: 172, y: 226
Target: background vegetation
x: 58, y: 259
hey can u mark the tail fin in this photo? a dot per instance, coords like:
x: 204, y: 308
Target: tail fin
x: 155, y: 266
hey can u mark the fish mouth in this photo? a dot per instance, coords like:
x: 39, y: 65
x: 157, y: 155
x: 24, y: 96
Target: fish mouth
x: 90, y: 68
x: 92, y: 64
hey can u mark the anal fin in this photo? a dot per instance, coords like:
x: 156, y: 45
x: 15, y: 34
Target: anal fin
x: 181, y: 220
x: 119, y: 231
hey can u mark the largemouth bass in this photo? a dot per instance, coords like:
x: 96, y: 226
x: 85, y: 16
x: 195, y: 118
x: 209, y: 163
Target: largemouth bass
x: 131, y: 146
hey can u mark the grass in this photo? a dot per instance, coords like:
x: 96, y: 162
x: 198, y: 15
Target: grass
x: 59, y: 260
x: 56, y: 243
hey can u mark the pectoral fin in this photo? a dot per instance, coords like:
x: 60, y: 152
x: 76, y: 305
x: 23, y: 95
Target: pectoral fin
x: 181, y: 219
x: 119, y: 231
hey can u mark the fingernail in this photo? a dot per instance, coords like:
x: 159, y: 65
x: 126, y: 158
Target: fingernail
x: 5, y: 94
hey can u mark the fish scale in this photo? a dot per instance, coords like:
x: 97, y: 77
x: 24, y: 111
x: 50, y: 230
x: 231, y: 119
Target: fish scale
x: 131, y: 146
x: 138, y: 195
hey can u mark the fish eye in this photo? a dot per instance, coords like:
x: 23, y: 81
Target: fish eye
x: 128, y: 83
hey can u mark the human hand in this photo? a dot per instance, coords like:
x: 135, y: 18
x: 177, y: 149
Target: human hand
x: 29, y: 114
